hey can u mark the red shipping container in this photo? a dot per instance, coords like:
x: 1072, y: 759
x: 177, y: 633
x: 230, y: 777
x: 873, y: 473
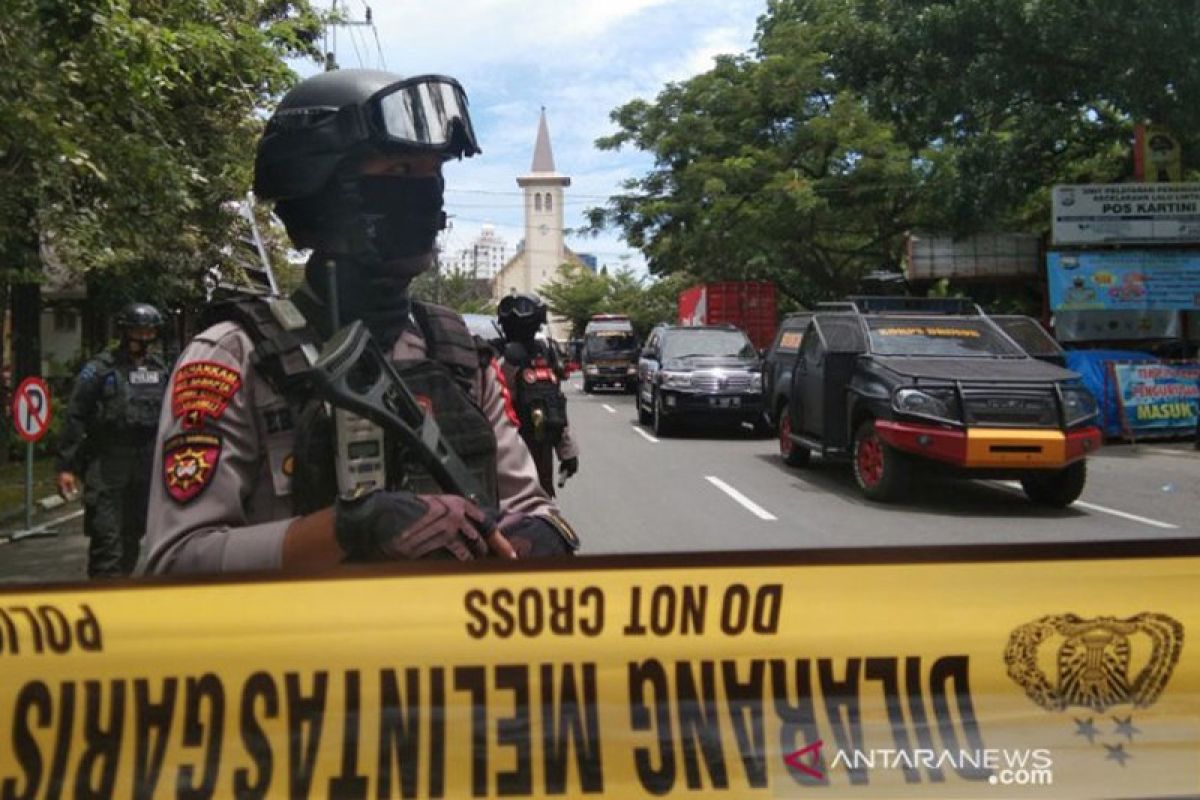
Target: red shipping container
x: 750, y: 305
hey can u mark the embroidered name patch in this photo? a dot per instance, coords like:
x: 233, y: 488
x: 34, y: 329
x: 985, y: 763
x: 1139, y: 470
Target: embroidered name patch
x: 203, y: 389
x: 189, y: 464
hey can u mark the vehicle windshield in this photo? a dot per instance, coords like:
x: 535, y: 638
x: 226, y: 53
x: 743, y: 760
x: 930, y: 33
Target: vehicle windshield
x: 708, y: 343
x: 610, y: 342
x: 929, y: 336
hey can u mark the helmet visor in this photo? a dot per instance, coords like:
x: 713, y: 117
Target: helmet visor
x: 519, y: 306
x: 425, y: 112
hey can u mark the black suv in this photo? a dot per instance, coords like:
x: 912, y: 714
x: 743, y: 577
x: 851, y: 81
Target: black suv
x: 703, y: 372
x: 893, y: 383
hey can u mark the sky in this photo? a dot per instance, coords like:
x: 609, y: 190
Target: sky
x: 579, y: 58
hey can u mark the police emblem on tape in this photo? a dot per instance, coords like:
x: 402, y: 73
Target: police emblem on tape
x: 202, y: 390
x: 189, y: 463
x: 1100, y: 664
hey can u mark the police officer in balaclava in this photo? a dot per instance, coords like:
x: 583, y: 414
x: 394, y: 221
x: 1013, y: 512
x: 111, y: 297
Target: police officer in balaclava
x: 251, y: 476
x: 109, y: 440
x: 532, y: 368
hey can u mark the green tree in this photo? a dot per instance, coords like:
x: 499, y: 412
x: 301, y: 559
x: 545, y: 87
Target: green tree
x: 126, y: 124
x: 764, y: 169
x: 852, y: 121
x: 576, y: 293
x: 455, y: 288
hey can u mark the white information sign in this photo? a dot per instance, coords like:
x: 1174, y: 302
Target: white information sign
x: 1116, y: 213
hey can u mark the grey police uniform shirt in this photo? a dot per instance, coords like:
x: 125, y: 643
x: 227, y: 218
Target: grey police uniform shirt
x: 220, y: 500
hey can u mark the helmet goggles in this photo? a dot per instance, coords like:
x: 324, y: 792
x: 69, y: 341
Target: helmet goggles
x: 425, y: 112
x: 519, y: 306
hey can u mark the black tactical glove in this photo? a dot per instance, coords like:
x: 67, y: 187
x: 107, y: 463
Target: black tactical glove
x: 540, y: 536
x: 386, y: 526
x: 568, y: 467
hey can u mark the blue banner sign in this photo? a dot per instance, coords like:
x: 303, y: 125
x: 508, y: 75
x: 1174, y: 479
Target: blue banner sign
x: 1158, y: 397
x: 1124, y: 280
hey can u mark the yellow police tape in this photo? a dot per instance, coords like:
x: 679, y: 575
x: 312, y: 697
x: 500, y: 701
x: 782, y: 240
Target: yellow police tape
x: 625, y: 678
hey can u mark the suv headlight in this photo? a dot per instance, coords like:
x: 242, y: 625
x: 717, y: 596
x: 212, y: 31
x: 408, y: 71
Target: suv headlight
x: 935, y: 403
x: 1079, y: 404
x: 756, y: 381
x: 676, y: 380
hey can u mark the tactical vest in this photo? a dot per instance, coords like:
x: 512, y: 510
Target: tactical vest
x: 442, y: 384
x: 130, y: 400
x: 540, y: 403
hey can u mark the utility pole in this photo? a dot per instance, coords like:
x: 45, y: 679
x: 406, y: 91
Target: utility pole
x: 329, y: 41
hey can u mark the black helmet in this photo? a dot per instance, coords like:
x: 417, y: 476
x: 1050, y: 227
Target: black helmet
x: 335, y: 115
x: 139, y: 315
x: 521, y: 314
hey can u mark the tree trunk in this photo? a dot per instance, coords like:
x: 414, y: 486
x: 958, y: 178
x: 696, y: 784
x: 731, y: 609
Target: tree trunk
x: 26, y: 330
x: 5, y: 374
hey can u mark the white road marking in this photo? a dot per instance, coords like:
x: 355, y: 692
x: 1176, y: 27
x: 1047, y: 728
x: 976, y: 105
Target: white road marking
x: 1134, y: 517
x: 1162, y: 451
x: 751, y: 506
x: 45, y: 527
x: 637, y: 429
x: 1104, y: 510
x: 609, y: 408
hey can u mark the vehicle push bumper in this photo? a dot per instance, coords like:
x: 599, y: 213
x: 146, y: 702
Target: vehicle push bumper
x: 992, y: 448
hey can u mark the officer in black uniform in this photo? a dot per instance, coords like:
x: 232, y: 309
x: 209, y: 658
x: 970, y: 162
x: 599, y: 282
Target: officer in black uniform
x: 253, y: 471
x: 534, y: 375
x: 109, y: 440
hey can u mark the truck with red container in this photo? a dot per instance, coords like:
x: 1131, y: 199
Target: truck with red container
x: 748, y: 305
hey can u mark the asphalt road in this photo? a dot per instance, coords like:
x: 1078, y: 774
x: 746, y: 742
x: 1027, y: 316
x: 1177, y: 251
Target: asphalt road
x: 719, y: 489
x: 713, y: 489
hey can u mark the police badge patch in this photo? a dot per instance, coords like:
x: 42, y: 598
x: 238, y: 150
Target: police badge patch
x: 202, y: 390
x: 189, y: 463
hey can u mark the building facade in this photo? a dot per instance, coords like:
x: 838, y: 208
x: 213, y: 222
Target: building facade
x: 543, y: 252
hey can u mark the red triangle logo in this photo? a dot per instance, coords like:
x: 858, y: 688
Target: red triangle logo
x: 794, y: 761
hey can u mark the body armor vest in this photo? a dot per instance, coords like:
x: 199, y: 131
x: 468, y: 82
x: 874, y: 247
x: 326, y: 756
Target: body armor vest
x: 442, y: 384
x: 130, y: 400
x: 540, y: 403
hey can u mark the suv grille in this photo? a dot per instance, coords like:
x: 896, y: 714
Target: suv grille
x: 1030, y: 407
x: 717, y: 382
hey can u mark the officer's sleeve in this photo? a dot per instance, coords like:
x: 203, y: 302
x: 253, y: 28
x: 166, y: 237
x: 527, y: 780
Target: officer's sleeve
x: 567, y: 447
x: 520, y: 491
x: 209, y: 463
x: 80, y: 408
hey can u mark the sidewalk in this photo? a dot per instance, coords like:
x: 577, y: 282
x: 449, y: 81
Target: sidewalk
x: 56, y: 553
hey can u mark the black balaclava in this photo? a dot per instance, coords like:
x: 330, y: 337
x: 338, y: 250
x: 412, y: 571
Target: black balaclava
x: 520, y: 330
x: 379, y: 230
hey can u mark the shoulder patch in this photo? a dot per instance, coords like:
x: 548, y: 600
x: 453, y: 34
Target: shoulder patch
x: 203, y: 389
x: 189, y: 464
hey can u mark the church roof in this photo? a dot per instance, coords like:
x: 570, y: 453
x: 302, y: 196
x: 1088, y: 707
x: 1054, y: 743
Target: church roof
x: 543, y: 156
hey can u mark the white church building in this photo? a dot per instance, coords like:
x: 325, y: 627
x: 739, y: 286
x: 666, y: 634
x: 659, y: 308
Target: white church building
x: 543, y: 252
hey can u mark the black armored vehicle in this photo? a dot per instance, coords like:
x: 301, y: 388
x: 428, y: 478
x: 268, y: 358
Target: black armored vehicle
x: 896, y: 383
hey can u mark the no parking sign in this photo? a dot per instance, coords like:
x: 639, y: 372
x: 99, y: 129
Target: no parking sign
x: 31, y: 409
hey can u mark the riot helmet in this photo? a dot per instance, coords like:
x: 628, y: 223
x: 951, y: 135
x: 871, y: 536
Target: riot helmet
x: 139, y: 325
x: 309, y: 157
x: 521, y: 315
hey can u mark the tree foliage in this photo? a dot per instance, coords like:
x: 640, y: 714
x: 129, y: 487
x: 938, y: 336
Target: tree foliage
x: 578, y: 293
x: 853, y: 121
x: 456, y: 288
x: 125, y: 125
